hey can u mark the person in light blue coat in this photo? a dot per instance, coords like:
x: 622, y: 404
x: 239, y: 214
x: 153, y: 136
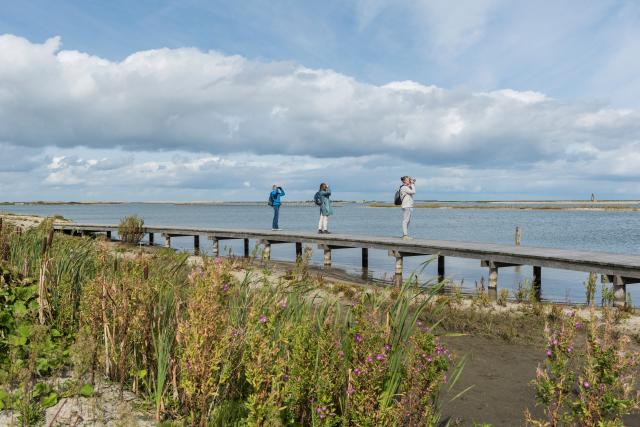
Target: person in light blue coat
x: 276, y: 193
x: 325, y: 208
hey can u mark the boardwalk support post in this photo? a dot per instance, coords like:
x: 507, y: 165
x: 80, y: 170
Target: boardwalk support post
x: 298, y: 251
x: 518, y: 236
x: 150, y: 239
x: 246, y: 248
x: 167, y: 240
x: 440, y: 268
x: 397, y: 279
x: 399, y: 256
x: 266, y: 252
x: 216, y: 247
x: 196, y: 244
x: 365, y: 258
x: 327, y: 256
x: 109, y: 235
x: 327, y: 252
x: 536, y: 281
x: 619, y: 291
x: 493, y: 270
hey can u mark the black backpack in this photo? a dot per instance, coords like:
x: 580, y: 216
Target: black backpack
x: 397, y: 200
x: 317, y: 199
x: 271, y: 199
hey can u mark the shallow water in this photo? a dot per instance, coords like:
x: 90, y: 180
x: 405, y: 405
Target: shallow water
x: 608, y: 231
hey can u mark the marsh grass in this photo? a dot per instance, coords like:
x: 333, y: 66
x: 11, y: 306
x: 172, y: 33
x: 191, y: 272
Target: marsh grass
x: 131, y: 230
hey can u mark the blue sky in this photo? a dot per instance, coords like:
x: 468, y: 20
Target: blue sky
x: 168, y: 100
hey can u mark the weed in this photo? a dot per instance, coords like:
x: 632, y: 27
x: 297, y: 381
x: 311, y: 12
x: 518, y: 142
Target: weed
x: 131, y: 230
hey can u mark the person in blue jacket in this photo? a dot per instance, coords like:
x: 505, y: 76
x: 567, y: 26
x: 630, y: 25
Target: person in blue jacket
x: 275, y: 195
x: 325, y: 208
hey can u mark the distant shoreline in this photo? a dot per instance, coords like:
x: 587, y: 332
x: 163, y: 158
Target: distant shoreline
x: 558, y: 205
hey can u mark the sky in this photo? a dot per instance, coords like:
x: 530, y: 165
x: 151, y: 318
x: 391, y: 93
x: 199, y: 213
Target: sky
x: 197, y: 100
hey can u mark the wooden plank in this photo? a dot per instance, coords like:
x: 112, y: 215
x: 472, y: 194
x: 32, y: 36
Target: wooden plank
x: 612, y: 264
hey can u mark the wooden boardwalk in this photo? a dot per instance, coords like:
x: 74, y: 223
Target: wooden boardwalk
x: 620, y: 269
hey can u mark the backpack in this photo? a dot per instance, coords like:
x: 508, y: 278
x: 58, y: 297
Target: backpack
x: 397, y: 200
x: 271, y: 199
x: 317, y: 199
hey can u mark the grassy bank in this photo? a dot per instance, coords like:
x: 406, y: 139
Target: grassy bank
x: 232, y: 342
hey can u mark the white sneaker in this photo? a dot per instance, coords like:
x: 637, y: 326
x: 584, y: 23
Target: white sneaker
x: 407, y: 238
x: 276, y: 229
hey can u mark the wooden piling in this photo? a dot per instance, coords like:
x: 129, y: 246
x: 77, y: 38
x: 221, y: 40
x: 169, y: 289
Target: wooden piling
x: 327, y: 257
x: 150, y: 239
x: 536, y: 281
x: 365, y: 258
x: 493, y: 276
x: 398, y: 271
x: 196, y: 244
x: 109, y: 235
x: 518, y: 236
x: 298, y: 250
x: 619, y: 292
x: 216, y: 247
x: 246, y: 248
x: 167, y: 240
x: 440, y: 268
x: 266, y: 252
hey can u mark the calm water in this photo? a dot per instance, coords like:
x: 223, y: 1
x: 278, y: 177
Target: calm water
x: 585, y: 230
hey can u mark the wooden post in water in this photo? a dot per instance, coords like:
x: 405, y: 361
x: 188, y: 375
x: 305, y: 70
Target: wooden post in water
x: 327, y: 256
x: 246, y: 248
x: 266, y: 252
x: 440, y: 268
x: 150, y: 239
x: 298, y: 250
x: 493, y: 276
x: 619, y: 292
x: 397, y: 279
x: 518, y: 235
x: 167, y: 240
x: 196, y: 244
x: 365, y: 258
x: 536, y: 281
x: 109, y: 235
x: 216, y: 247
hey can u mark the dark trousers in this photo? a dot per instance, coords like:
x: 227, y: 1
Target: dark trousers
x: 276, y: 214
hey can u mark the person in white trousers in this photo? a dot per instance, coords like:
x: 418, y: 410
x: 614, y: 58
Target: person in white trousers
x: 407, y: 192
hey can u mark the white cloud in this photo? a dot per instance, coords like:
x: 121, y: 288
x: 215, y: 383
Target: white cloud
x: 177, y: 119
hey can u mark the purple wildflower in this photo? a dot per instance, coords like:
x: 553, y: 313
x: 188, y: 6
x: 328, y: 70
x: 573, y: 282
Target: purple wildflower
x: 549, y: 352
x: 387, y: 347
x: 357, y: 371
x: 263, y: 319
x: 369, y: 358
x: 225, y: 287
x: 358, y: 338
x: 569, y: 349
x: 379, y: 357
x: 586, y: 384
x: 578, y: 325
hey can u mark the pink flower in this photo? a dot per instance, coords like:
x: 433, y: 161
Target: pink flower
x: 549, y: 353
x: 578, y: 325
x: 263, y: 319
x: 379, y: 357
x: 586, y: 384
x: 358, y: 338
x: 569, y: 349
x: 369, y: 358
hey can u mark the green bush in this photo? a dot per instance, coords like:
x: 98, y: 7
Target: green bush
x: 130, y: 229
